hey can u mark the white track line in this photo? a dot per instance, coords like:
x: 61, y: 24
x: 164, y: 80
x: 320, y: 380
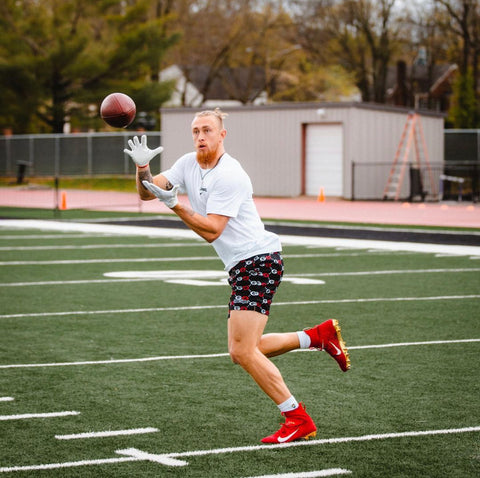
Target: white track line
x: 224, y: 354
x: 201, y: 273
x: 37, y: 415
x: 172, y: 458
x: 222, y: 306
x: 110, y: 433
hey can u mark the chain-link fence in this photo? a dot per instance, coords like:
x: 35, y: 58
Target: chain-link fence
x: 79, y: 154
x: 459, y: 181
x: 62, y: 156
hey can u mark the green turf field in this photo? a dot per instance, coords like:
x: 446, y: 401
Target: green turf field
x: 144, y: 357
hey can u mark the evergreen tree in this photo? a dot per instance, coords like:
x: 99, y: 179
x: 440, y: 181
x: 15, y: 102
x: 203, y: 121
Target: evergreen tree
x: 464, y: 109
x: 57, y: 59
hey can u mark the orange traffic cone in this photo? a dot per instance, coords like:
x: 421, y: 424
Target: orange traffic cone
x: 321, y: 196
x: 63, y: 203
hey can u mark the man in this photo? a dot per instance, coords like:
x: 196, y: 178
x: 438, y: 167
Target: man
x: 224, y: 214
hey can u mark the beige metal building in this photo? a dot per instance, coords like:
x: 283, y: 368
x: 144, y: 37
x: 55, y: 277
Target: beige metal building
x: 344, y: 149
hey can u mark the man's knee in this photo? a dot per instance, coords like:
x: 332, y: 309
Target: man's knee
x: 240, y: 355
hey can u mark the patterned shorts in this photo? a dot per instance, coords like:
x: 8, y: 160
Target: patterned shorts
x: 254, y: 282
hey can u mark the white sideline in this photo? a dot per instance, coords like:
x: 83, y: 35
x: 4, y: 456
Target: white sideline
x: 171, y: 459
x: 110, y: 433
x: 224, y: 354
x: 286, y: 239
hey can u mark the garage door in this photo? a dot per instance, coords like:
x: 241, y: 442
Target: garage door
x: 324, y: 159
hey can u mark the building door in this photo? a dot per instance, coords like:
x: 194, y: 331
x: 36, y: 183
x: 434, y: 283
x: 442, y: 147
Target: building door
x: 324, y: 159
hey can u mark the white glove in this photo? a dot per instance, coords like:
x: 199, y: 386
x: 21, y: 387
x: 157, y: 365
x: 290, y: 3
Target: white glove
x: 140, y: 153
x: 167, y: 197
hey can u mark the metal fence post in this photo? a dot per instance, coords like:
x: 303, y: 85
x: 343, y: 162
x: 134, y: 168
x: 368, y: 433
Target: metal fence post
x: 31, y: 155
x: 57, y: 156
x: 89, y: 155
x: 8, y: 153
x: 353, y: 181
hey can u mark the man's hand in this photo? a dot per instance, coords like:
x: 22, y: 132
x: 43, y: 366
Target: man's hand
x: 167, y: 197
x: 140, y: 153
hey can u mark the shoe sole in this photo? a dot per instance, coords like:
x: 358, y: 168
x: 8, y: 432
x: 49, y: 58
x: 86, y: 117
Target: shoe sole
x: 343, y: 346
x: 306, y: 437
x: 310, y: 435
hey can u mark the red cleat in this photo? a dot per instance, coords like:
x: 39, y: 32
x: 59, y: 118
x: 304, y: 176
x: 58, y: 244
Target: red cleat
x: 298, y: 425
x: 327, y: 336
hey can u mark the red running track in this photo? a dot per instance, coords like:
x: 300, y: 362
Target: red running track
x: 446, y: 214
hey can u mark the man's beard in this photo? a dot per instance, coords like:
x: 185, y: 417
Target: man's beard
x: 206, y: 156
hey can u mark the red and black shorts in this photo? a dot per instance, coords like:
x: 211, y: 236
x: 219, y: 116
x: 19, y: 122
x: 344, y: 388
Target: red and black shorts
x: 254, y: 282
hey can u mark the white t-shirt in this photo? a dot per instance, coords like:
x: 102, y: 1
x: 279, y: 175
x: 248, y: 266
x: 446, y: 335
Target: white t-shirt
x: 226, y: 190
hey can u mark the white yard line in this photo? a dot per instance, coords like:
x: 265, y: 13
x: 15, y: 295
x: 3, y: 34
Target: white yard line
x: 224, y: 354
x: 221, y: 306
x: 325, y: 441
x: 51, y: 236
x: 109, y: 433
x: 68, y: 464
x: 176, y: 459
x: 309, y: 474
x: 117, y: 361
x: 6, y: 399
x: 201, y: 273
x: 110, y: 260
x: 170, y: 259
x: 27, y: 416
x: 57, y: 247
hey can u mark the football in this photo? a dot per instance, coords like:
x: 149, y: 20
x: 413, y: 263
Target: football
x: 118, y: 110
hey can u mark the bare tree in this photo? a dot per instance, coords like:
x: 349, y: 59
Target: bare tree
x: 361, y: 35
x: 236, y: 44
x: 465, y: 24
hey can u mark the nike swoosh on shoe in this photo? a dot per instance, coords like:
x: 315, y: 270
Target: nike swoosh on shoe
x: 284, y: 439
x: 336, y: 348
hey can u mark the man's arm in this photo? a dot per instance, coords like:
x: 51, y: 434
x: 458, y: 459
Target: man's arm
x: 209, y: 227
x: 141, y: 155
x: 144, y: 174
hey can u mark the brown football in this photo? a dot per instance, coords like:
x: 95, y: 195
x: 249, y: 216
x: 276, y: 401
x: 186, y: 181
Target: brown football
x: 118, y: 110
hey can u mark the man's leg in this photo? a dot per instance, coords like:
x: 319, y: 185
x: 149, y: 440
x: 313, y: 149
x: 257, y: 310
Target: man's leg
x: 325, y: 336
x: 272, y: 345
x: 245, y: 330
